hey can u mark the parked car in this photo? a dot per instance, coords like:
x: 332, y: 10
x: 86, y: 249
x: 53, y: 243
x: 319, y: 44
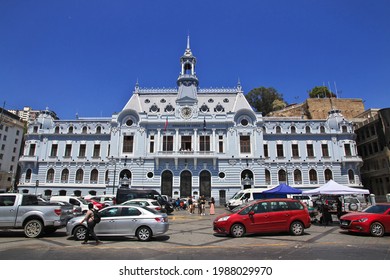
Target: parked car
x: 74, y: 200
x: 123, y: 220
x: 264, y: 216
x: 374, y: 220
x: 107, y: 200
x: 149, y: 203
x: 97, y: 205
x: 25, y: 211
x: 125, y: 194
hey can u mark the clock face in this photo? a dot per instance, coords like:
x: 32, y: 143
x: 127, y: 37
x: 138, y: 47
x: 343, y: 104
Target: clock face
x: 186, y: 112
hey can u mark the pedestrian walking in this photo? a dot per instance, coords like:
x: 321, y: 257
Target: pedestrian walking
x: 190, y: 205
x: 212, y: 206
x: 89, y: 218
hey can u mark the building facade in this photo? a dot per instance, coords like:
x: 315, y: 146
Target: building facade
x: 373, y: 144
x: 11, y: 140
x: 187, y: 141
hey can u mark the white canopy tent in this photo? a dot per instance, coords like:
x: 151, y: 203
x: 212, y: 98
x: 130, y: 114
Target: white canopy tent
x: 333, y: 188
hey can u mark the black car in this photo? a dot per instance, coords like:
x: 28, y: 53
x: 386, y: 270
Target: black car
x: 125, y: 194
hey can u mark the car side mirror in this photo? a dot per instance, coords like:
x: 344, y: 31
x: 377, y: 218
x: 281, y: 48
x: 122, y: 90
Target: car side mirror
x: 251, y: 213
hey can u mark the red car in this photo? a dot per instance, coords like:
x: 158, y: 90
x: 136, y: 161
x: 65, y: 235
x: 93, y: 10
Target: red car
x: 374, y: 220
x: 264, y: 216
x: 96, y: 204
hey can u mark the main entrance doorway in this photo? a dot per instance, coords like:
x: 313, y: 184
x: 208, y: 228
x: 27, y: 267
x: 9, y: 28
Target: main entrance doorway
x: 185, y: 184
x: 166, y: 183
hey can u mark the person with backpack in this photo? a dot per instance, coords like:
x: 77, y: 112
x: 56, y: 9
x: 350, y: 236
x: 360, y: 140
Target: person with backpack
x: 92, y: 217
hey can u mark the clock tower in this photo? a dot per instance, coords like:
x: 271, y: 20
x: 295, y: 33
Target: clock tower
x: 187, y: 81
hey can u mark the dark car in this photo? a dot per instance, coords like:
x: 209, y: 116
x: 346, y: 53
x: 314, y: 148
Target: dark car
x: 264, y: 216
x: 125, y: 194
x: 374, y: 220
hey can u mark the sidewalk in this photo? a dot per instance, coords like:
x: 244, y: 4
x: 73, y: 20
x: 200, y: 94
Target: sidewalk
x: 185, y: 214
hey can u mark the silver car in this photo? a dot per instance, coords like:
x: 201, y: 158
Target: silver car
x: 123, y: 220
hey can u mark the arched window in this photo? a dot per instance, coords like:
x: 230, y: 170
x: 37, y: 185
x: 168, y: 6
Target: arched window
x: 267, y: 177
x: 98, y: 130
x: 351, y: 176
x: 50, y: 176
x: 57, y: 130
x: 85, y: 130
x: 282, y: 176
x: 79, y: 176
x: 28, y: 175
x: 322, y: 129
x: 307, y: 129
x: 94, y: 176
x: 64, y: 176
x: 106, y: 178
x: 344, y: 129
x: 328, y: 175
x: 293, y: 130
x: 313, y: 176
x: 278, y: 129
x: 297, y: 176
x: 70, y: 130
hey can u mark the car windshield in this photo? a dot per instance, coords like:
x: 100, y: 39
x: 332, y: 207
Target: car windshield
x: 378, y: 209
x: 151, y: 210
x: 237, y: 195
x: 240, y: 207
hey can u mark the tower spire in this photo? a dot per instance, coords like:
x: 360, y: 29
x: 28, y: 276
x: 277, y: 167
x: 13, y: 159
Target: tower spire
x: 188, y: 42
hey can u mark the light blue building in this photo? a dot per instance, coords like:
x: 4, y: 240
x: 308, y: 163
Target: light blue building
x: 186, y: 141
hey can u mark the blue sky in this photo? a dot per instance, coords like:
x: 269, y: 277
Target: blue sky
x: 85, y: 56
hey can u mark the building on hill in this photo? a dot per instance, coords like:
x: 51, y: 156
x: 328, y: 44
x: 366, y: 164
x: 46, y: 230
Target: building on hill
x: 318, y: 108
x: 187, y: 141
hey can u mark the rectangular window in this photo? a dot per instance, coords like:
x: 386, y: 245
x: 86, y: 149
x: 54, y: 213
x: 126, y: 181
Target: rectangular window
x: 185, y: 143
x: 279, y: 150
x: 295, y: 150
x: 325, y: 150
x: 83, y: 148
x: 32, y: 150
x: 220, y: 144
x: 68, y: 150
x: 310, y: 150
x: 151, y: 144
x: 245, y: 144
x: 96, y: 150
x: 167, y: 143
x: 54, y: 149
x: 128, y: 142
x: 347, y: 150
x: 265, y: 147
x: 204, y: 145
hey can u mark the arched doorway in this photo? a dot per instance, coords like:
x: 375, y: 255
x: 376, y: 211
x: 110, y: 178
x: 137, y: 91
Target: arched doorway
x: 185, y: 184
x: 205, y: 183
x: 166, y: 183
x: 247, y: 179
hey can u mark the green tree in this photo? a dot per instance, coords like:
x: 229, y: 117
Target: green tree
x: 321, y: 92
x: 265, y: 100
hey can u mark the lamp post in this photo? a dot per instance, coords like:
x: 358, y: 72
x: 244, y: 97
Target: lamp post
x: 113, y: 161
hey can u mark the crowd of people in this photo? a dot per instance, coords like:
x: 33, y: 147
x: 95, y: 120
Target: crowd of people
x: 199, y: 205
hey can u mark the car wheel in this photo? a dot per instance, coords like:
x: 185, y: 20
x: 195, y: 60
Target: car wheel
x: 33, y: 228
x: 237, y: 230
x: 377, y: 229
x: 79, y: 233
x: 296, y: 228
x: 144, y: 234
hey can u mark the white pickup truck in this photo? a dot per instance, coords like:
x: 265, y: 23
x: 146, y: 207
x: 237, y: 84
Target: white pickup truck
x: 24, y: 211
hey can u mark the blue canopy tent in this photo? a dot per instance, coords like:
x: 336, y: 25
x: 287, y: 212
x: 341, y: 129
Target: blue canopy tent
x: 280, y: 191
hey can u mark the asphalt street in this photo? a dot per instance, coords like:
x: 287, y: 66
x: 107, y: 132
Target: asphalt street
x: 191, y: 237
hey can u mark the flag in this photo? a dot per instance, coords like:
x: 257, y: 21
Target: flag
x: 204, y: 124
x: 166, y: 124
